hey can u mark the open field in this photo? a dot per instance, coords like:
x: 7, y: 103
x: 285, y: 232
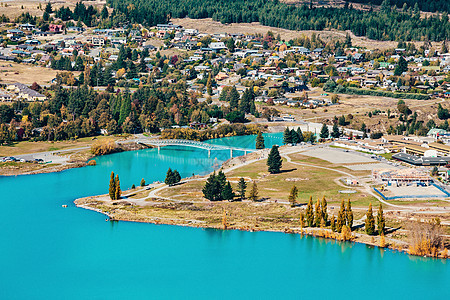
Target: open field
x: 359, y: 106
x: 11, y: 72
x: 210, y: 26
x: 14, y: 8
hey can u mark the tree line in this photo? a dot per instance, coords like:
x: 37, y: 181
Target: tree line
x: 386, y: 24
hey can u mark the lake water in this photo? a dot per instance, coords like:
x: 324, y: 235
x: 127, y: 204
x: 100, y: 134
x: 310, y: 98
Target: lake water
x: 50, y: 252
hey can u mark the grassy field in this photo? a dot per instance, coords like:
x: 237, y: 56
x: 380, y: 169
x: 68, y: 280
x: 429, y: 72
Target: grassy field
x: 11, y: 72
x: 26, y: 147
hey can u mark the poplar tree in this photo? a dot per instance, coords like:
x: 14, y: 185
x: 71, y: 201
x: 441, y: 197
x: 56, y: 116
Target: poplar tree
x: 333, y: 223
x: 318, y: 211
x: 112, y: 187
x: 293, y: 196
x: 260, y: 141
x: 381, y: 222
x: 302, y: 220
x: 274, y: 161
x: 253, y: 195
x: 349, y: 215
x: 324, y: 210
x: 242, y: 186
x: 370, y: 221
x: 209, y: 85
x: 118, y: 193
x: 310, y: 213
x: 340, y: 218
x: 142, y: 182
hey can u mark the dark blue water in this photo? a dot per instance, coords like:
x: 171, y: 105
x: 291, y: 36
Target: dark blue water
x: 50, y: 252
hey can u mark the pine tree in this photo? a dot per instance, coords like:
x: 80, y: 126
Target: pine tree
x: 287, y: 137
x: 142, y: 182
x: 169, y: 177
x: 381, y: 222
x: 349, y: 215
x: 253, y: 195
x: 370, y: 221
x: 340, y: 218
x: 274, y: 161
x: 227, y: 193
x: 324, y: 133
x: 324, y: 210
x: 300, y: 135
x: 260, y: 141
x: 112, y: 187
x: 222, y: 178
x: 310, y: 213
x: 176, y: 176
x: 233, y: 98
x: 242, y: 186
x: 212, y: 189
x: 293, y: 196
x: 209, y: 85
x: 118, y: 192
x: 335, y: 133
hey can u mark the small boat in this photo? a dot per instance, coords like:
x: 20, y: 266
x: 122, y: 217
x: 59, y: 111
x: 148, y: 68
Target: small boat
x: 64, y: 205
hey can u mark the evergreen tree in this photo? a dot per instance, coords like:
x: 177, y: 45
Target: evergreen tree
x: 253, y: 195
x: 260, y: 141
x: 125, y: 109
x: 48, y: 8
x: 212, y: 189
x: 381, y: 222
x: 349, y: 215
x: 324, y: 210
x: 169, y: 177
x: 293, y: 196
x: 274, y: 160
x: 233, y: 97
x: 287, y: 137
x: 324, y: 133
x: 318, y: 211
x: 176, y: 176
x: 300, y: 135
x: 370, y: 221
x: 221, y: 178
x: 340, y: 218
x: 118, y: 192
x: 142, y: 182
x: 310, y: 213
x: 242, y: 186
x: 227, y: 193
x: 335, y: 133
x: 112, y: 187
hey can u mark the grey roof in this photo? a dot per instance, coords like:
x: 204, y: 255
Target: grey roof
x: 421, y: 161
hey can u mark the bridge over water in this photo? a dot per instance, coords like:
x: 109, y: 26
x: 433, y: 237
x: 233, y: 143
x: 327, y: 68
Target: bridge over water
x: 189, y: 143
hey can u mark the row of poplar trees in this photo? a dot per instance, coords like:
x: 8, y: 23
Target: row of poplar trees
x: 370, y: 221
x: 114, y: 187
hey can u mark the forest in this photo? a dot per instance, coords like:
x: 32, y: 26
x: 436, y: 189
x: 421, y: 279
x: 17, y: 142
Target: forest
x: 431, y: 6
x: 386, y: 23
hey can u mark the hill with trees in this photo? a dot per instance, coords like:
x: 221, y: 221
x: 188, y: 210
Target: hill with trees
x: 384, y: 24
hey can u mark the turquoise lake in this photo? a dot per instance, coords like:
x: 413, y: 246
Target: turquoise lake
x: 50, y: 252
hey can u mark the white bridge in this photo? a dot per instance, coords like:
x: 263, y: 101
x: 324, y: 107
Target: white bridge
x: 189, y: 143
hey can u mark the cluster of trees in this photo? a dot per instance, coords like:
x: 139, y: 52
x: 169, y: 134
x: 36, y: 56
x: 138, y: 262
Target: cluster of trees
x: 316, y: 216
x: 426, y: 238
x: 370, y: 221
x: 432, y: 6
x: 172, y: 177
x: 386, y: 24
x: 80, y: 13
x: 114, y: 187
x: 217, y: 188
x: 290, y: 136
x: 239, y: 106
